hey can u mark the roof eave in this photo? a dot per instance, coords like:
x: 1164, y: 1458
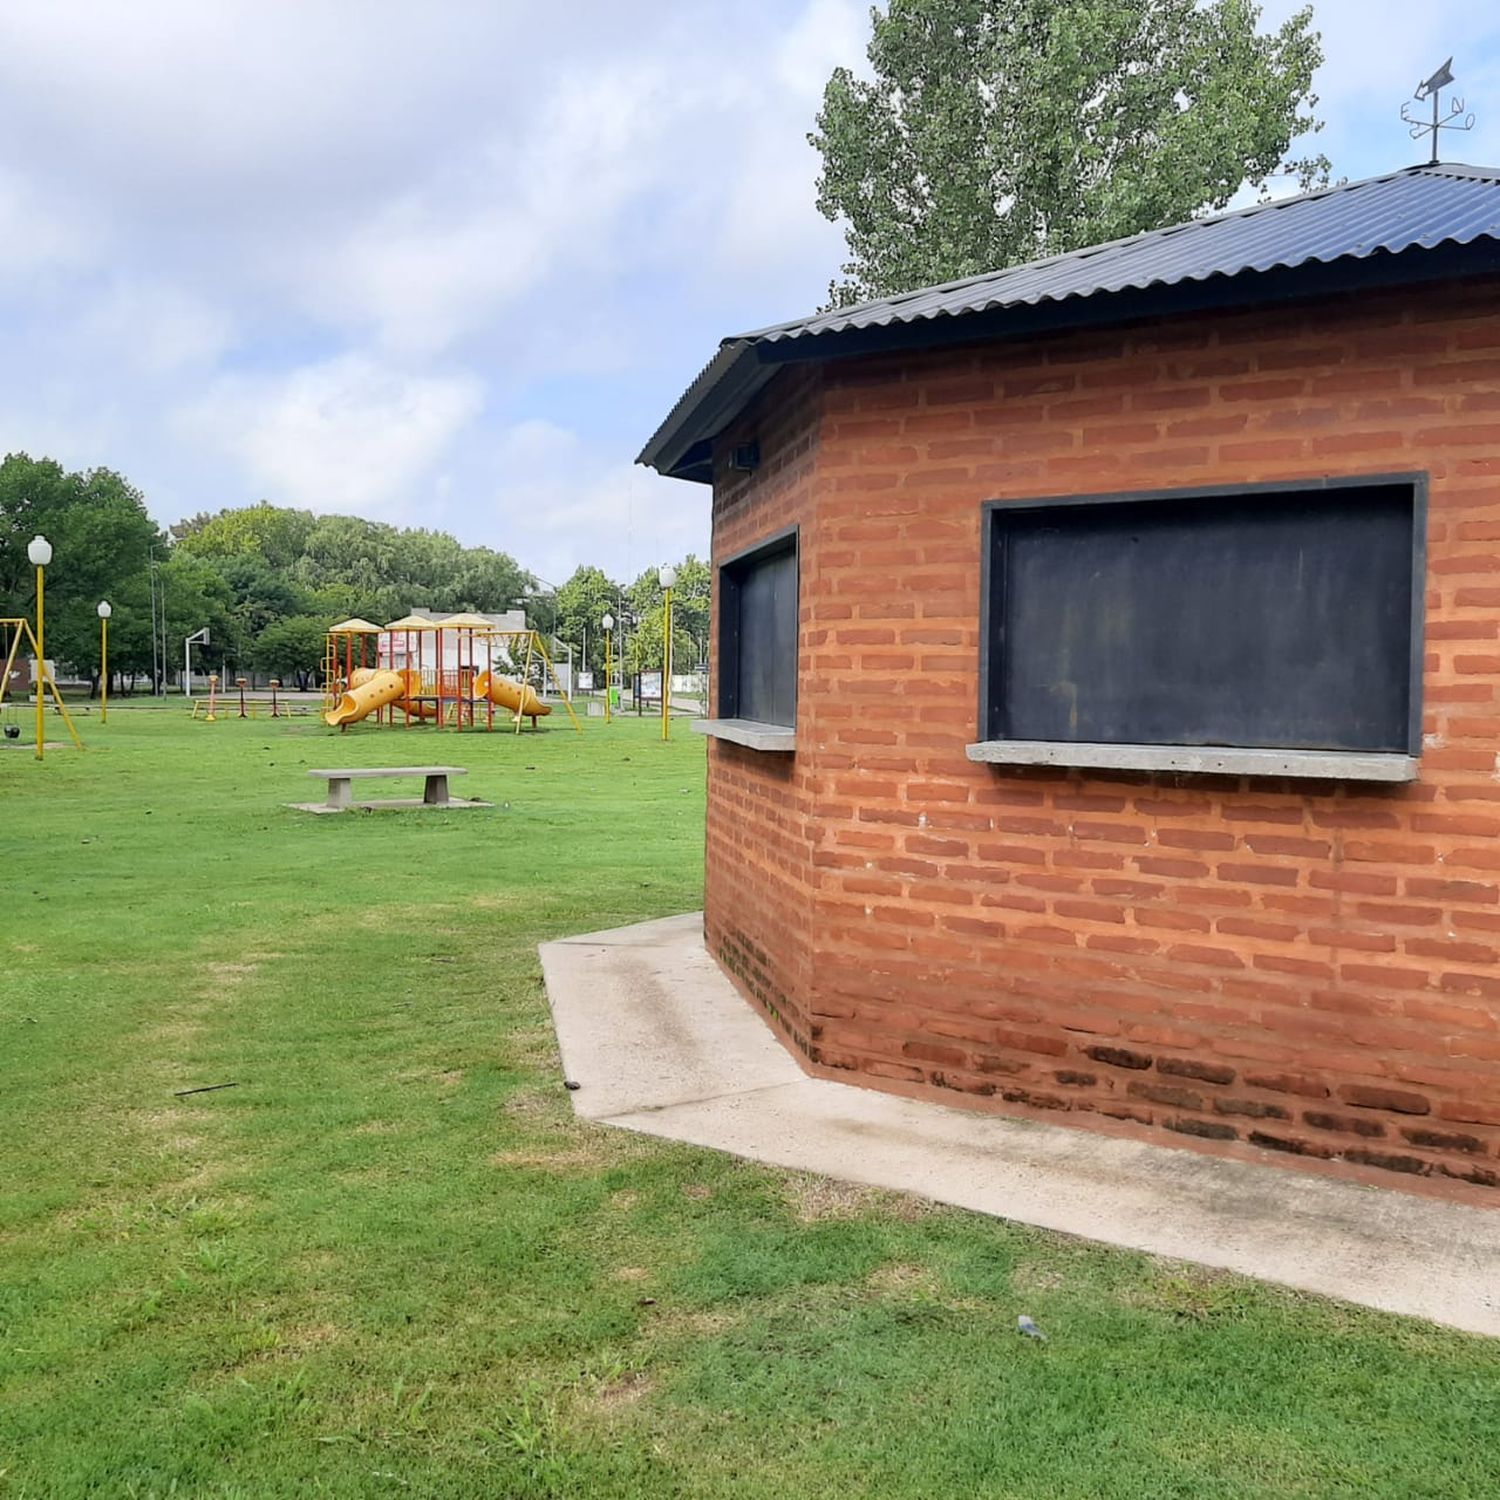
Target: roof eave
x: 681, y: 446
x: 727, y: 382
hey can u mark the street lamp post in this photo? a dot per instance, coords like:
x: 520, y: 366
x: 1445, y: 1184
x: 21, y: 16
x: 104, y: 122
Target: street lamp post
x: 39, y: 551
x: 666, y: 576
x: 608, y: 622
x: 104, y: 613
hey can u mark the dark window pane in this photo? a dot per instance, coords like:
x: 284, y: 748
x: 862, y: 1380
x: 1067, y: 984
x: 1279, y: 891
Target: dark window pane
x: 758, y: 636
x: 1277, y: 620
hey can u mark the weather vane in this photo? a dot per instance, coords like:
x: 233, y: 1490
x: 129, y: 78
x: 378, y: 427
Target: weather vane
x: 1439, y: 121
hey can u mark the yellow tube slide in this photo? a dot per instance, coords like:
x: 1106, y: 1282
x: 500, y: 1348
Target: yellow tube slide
x: 508, y: 694
x: 381, y: 688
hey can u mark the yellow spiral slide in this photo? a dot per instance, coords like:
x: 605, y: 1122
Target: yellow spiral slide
x: 367, y: 691
x: 507, y: 694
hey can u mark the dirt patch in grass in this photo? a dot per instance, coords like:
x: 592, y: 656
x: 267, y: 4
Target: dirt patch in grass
x: 573, y: 1156
x: 1036, y: 1276
x: 534, y: 1049
x: 231, y: 972
x: 698, y: 1323
x: 903, y: 1279
x: 502, y: 900
x: 207, y: 1176
x: 447, y: 1078
x: 297, y: 1339
x: 164, y: 1035
x: 315, y: 1263
x: 536, y: 1109
x: 625, y: 1391
x: 171, y: 1119
x: 1197, y: 1294
x: 813, y: 1200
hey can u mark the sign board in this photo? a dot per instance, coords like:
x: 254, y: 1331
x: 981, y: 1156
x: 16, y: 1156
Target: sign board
x: 585, y: 682
x: 650, y: 685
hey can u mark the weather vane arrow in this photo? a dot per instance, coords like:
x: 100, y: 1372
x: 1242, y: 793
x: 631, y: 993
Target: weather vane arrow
x: 1431, y: 88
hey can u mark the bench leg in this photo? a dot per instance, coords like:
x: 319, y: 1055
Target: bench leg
x: 338, y: 792
x: 435, y: 793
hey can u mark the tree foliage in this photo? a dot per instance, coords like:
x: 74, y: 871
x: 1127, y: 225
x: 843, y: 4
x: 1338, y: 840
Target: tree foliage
x: 581, y: 604
x: 100, y: 535
x: 291, y: 649
x: 999, y: 131
x: 690, y: 606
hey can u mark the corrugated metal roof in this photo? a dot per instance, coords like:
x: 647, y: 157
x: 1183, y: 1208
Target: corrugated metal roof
x: 1418, y: 208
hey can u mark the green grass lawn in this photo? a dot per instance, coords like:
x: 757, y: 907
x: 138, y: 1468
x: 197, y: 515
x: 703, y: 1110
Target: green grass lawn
x: 391, y: 1262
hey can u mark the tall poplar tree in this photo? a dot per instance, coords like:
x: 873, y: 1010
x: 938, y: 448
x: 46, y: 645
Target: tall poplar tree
x: 999, y: 131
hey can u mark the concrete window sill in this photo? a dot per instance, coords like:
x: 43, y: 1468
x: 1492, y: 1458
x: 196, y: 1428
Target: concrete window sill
x: 777, y: 738
x: 1328, y: 765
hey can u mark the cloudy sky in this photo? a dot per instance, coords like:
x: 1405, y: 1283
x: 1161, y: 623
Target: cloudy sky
x: 449, y: 263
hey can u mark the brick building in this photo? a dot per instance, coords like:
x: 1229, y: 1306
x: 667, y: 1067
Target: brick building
x: 1106, y: 657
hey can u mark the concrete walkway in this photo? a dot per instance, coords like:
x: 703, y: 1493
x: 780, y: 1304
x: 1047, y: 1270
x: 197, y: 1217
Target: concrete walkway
x: 659, y: 1042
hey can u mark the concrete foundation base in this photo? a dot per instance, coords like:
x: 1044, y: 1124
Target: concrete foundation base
x: 388, y: 804
x: 660, y: 1042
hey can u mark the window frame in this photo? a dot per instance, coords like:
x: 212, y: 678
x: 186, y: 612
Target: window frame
x: 1416, y: 481
x: 727, y: 608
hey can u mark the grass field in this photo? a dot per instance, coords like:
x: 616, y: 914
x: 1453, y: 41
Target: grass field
x: 390, y: 1262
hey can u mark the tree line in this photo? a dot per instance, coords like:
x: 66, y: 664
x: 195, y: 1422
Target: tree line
x: 581, y: 604
x: 268, y: 581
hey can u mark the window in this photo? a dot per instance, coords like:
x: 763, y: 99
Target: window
x: 1273, y: 617
x: 758, y: 633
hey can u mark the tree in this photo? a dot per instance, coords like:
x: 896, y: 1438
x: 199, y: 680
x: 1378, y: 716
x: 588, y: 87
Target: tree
x: 292, y: 649
x: 269, y: 532
x: 582, y: 602
x: 690, y: 605
x: 194, y: 594
x: 101, y: 537
x: 643, y: 649
x: 999, y: 131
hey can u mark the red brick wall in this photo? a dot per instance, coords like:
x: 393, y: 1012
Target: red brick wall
x: 759, y: 878
x: 1283, y: 970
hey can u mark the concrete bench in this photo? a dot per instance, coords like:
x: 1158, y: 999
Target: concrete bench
x: 434, y: 792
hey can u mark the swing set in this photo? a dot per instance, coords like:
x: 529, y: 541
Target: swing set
x: 20, y: 632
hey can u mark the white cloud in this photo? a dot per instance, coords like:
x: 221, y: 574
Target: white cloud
x: 39, y: 238
x: 531, y: 205
x: 451, y: 263
x: 344, y: 435
x: 152, y: 327
x: 581, y: 505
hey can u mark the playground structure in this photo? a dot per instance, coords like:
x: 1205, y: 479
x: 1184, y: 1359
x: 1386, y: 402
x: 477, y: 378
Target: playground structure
x: 19, y: 632
x: 449, y: 673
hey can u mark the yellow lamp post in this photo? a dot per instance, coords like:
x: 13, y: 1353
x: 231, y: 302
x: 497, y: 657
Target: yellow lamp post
x: 39, y: 551
x: 666, y: 576
x: 608, y: 623
x: 104, y: 613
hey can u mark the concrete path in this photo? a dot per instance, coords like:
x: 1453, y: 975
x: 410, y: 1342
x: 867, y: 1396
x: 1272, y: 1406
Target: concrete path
x: 659, y: 1042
